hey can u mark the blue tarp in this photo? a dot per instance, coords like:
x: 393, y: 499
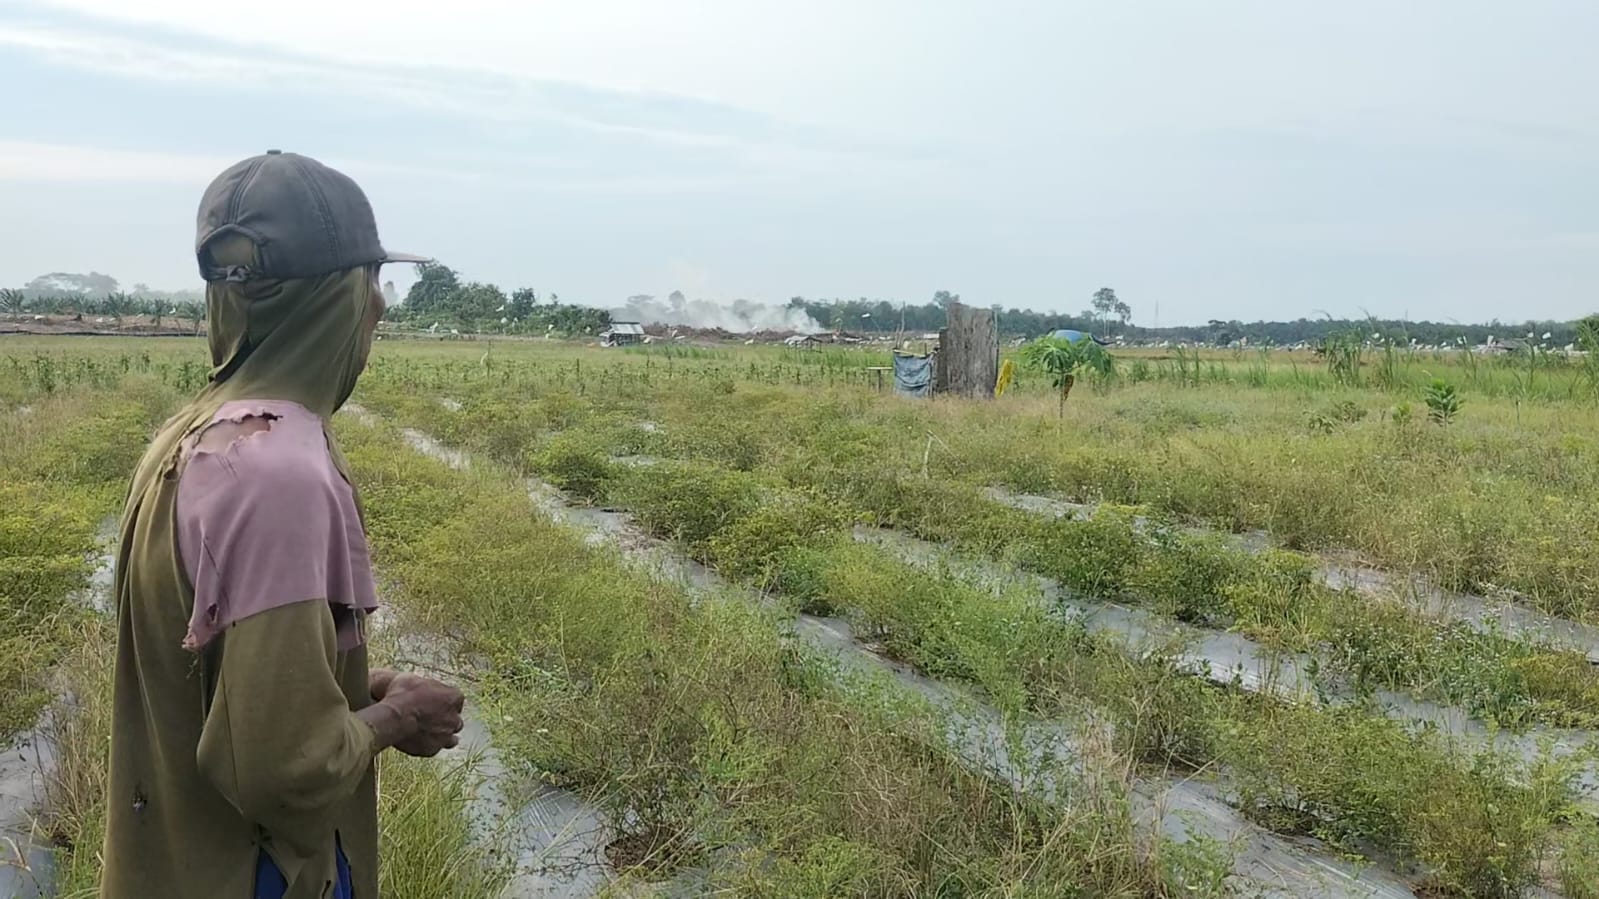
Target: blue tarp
x: 1074, y: 336
x: 913, y: 375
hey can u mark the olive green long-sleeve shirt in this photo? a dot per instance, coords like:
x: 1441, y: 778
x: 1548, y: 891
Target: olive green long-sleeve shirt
x: 245, y: 740
x: 279, y: 764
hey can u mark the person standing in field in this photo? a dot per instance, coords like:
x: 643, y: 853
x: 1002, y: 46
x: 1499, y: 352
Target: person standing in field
x: 245, y: 721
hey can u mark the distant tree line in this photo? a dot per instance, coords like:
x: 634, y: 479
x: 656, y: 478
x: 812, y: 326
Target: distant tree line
x: 1108, y: 316
x: 882, y: 316
x: 440, y: 298
x: 159, y: 310
x: 72, y: 286
x: 1377, y: 331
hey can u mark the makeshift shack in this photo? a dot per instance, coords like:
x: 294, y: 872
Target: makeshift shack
x: 964, y: 361
x: 622, y: 334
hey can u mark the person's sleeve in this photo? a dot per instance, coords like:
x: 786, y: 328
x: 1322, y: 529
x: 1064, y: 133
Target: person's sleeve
x: 279, y: 741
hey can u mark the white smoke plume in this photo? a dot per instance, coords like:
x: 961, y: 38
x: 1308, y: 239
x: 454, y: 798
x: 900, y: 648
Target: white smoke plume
x: 739, y: 316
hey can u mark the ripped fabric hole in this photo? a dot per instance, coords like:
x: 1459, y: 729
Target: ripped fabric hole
x: 222, y: 435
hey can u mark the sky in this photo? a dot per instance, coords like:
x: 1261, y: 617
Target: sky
x: 1248, y: 159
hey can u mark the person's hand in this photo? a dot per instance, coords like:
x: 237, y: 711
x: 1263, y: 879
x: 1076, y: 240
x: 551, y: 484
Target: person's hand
x: 435, y: 708
x: 378, y: 681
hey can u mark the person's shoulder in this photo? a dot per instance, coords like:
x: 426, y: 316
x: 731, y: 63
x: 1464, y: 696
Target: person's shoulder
x: 270, y: 446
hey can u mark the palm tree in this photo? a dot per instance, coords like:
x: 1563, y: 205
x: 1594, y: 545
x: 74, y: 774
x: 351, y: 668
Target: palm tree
x: 117, y: 305
x: 13, y: 302
x: 1065, y: 359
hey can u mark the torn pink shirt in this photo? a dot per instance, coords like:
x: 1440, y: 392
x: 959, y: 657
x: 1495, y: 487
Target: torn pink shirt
x: 268, y: 522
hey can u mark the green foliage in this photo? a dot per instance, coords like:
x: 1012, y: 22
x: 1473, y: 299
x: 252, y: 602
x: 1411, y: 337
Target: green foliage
x: 477, y: 302
x: 1579, y: 860
x: 426, y: 839
x: 1066, y: 360
x: 439, y: 297
x: 1186, y: 576
x: 1328, y: 420
x: 1348, y: 777
x: 1342, y: 352
x: 46, y: 539
x: 1095, y: 557
x: 885, y: 317
x: 1479, y: 505
x: 62, y: 471
x: 1443, y: 402
x: 828, y: 866
x: 523, y: 300
x: 751, y: 547
x: 736, y: 443
x: 1109, y: 306
x: 687, y: 502
x: 574, y: 465
x: 430, y: 293
x: 700, y: 730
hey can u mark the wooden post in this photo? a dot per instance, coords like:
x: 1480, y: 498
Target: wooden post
x: 968, y: 352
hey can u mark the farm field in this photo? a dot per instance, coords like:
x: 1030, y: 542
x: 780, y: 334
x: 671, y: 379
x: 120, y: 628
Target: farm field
x: 732, y: 620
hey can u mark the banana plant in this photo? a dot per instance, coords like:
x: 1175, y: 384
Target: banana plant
x: 13, y: 302
x: 1064, y: 360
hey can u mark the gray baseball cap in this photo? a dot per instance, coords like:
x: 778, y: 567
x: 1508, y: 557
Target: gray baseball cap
x: 304, y: 218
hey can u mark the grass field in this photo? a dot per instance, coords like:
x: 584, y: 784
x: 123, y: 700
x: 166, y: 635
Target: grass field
x: 883, y: 578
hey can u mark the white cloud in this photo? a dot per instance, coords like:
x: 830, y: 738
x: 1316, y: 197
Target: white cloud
x: 732, y: 52
x: 664, y: 120
x: 25, y: 161
x: 50, y: 162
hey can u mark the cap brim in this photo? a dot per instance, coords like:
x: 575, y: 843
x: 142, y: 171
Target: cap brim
x: 403, y: 257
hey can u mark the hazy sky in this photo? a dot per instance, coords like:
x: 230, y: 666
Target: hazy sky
x: 1228, y: 159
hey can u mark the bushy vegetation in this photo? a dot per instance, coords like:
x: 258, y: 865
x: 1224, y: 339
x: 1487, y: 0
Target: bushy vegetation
x: 709, y: 738
x: 722, y: 744
x: 65, y: 462
x: 1028, y: 661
